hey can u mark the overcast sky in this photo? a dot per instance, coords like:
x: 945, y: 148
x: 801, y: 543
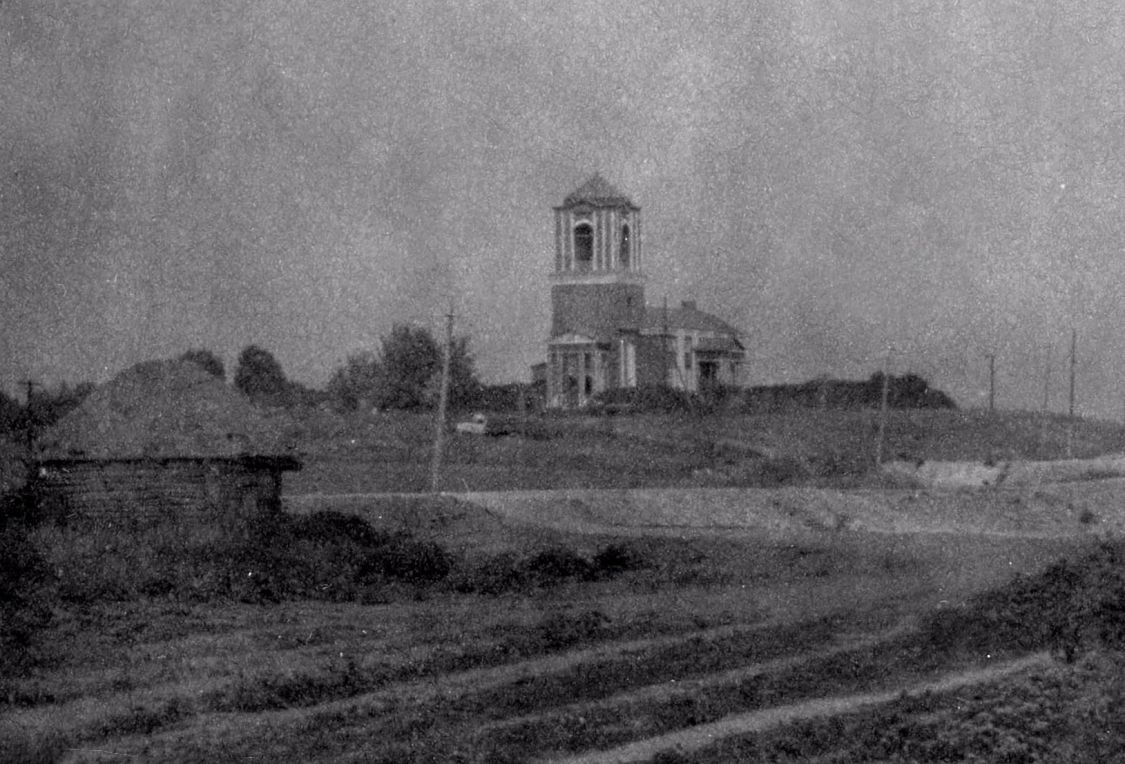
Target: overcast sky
x: 831, y: 177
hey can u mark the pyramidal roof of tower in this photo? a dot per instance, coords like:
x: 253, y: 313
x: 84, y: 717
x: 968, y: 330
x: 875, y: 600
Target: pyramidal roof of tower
x: 597, y: 190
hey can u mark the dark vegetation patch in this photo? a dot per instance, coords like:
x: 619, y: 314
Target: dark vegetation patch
x: 141, y: 720
x: 1070, y: 608
x: 506, y: 572
x: 26, y: 593
x: 324, y: 555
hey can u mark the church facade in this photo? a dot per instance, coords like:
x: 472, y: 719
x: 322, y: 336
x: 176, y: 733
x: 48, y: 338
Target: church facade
x: 603, y: 334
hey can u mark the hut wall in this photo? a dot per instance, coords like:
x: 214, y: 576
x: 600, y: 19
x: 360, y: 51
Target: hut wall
x: 187, y: 495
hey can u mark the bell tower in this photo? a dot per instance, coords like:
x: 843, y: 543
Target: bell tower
x: 597, y: 294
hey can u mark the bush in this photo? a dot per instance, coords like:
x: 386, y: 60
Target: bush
x: 325, y: 555
x: 26, y: 586
x: 557, y: 564
x: 406, y: 559
x: 507, y: 572
x: 332, y: 555
x: 327, y: 526
x: 1069, y: 607
x: 655, y: 399
x: 495, y: 575
x: 618, y: 558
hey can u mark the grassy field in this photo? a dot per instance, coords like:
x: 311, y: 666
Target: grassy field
x: 436, y: 630
x: 540, y: 659
x: 393, y: 451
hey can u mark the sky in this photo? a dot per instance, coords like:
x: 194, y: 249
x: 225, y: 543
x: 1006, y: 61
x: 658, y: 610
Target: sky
x: 922, y: 184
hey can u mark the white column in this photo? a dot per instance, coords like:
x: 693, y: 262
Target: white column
x: 568, y: 241
x: 635, y: 230
x: 597, y: 259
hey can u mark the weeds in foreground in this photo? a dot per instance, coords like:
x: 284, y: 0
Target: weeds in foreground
x: 326, y: 555
x: 26, y: 592
x: 1061, y: 713
x: 508, y: 572
x: 1070, y: 608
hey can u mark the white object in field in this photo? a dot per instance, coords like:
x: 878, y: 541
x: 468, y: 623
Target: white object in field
x: 478, y: 425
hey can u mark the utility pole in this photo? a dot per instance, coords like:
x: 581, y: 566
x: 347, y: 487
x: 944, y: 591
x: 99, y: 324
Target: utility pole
x: 1046, y: 378
x: 991, y: 381
x: 883, y: 409
x: 1070, y: 419
x: 443, y: 401
x: 1073, y: 363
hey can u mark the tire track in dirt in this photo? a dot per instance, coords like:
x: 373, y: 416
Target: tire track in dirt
x: 444, y: 688
x: 675, y: 688
x: 703, y: 735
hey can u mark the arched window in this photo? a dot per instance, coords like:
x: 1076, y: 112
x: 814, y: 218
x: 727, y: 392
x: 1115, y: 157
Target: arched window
x: 583, y: 246
x: 623, y: 252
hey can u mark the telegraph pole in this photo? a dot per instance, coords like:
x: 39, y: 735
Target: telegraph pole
x: 1046, y: 378
x: 883, y: 409
x: 991, y: 381
x: 1070, y: 419
x: 443, y: 401
x: 1073, y: 363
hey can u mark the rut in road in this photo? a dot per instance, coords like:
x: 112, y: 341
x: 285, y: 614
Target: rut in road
x: 457, y: 688
x: 703, y: 735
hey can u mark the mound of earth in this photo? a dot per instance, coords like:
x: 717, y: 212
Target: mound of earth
x: 164, y: 409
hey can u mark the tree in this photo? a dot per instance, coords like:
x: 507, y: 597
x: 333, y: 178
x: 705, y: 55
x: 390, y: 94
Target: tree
x: 410, y: 357
x: 46, y: 407
x: 357, y: 383
x: 258, y: 373
x: 409, y: 371
x: 210, y: 362
x: 10, y: 413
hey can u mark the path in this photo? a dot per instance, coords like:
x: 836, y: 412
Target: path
x: 703, y: 735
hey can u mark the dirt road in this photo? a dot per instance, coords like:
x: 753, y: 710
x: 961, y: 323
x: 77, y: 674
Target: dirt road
x: 701, y: 736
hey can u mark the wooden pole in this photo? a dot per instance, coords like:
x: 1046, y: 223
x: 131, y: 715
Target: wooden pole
x: 991, y: 382
x: 1073, y: 363
x: 443, y: 401
x: 883, y: 410
x: 1046, y: 378
x: 1070, y: 419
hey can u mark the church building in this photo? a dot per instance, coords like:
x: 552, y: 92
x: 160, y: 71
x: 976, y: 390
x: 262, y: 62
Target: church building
x: 603, y: 335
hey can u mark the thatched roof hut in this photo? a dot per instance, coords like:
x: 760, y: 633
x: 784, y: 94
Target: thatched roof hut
x: 163, y: 442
